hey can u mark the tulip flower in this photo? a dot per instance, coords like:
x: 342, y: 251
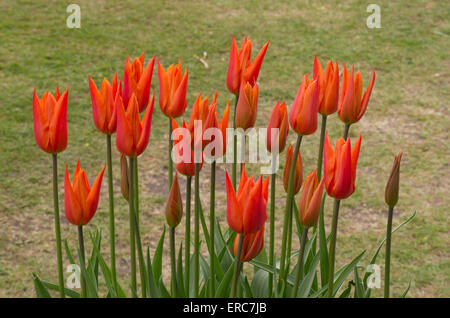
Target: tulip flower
x: 391, y: 193
x: 252, y: 245
x: 278, y: 120
x: 185, y: 166
x: 328, y: 86
x: 103, y: 104
x: 137, y: 80
x: 247, y: 106
x: 132, y: 133
x: 310, y: 200
x: 340, y: 167
x: 172, y: 90
x: 303, y: 114
x: 298, y: 179
x: 351, y: 106
x: 241, y: 68
x: 174, y: 204
x: 246, y: 210
x: 50, y: 121
x: 80, y: 200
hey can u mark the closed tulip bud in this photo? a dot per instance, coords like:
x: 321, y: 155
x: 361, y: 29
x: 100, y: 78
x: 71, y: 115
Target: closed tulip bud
x: 279, y: 121
x: 132, y: 133
x: 392, y: 186
x: 247, y: 210
x: 328, y: 86
x: 50, y: 121
x: 298, y: 179
x: 351, y: 106
x: 247, y: 106
x: 241, y: 68
x: 303, y: 114
x: 80, y: 200
x: 184, y: 164
x: 124, y: 181
x: 103, y: 104
x: 310, y: 200
x: 172, y: 90
x: 251, y: 246
x: 340, y: 167
x: 137, y: 81
x: 174, y: 205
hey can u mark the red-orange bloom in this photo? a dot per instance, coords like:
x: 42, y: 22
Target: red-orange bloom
x: 246, y: 210
x: 137, y: 80
x: 303, y: 114
x: 174, y: 204
x: 298, y: 179
x: 103, y: 104
x: 185, y: 166
x: 351, y: 107
x: 279, y: 121
x: 241, y: 69
x: 50, y: 121
x: 328, y: 86
x: 247, y: 106
x: 132, y: 133
x: 252, y: 245
x: 80, y: 200
x: 340, y: 167
x: 310, y: 200
x: 172, y: 90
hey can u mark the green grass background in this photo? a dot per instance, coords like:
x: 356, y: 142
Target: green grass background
x: 408, y: 112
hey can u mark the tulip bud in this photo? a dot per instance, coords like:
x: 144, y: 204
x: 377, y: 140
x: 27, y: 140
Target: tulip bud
x: 174, y: 205
x: 310, y: 200
x: 298, y: 170
x: 124, y: 181
x: 247, y: 106
x: 392, y: 186
x: 252, y: 245
x: 278, y: 120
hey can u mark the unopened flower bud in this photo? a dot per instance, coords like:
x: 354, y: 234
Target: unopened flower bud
x: 124, y: 181
x: 391, y: 193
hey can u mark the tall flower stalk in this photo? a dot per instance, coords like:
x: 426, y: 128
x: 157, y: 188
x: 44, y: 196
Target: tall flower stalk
x: 197, y: 230
x: 82, y: 260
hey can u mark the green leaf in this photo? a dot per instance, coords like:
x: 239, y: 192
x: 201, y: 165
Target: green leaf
x: 406, y: 291
x: 69, y: 292
x: 346, y: 292
x: 223, y: 290
x: 91, y: 284
x: 260, y: 284
x: 157, y: 258
x: 359, y: 293
x: 180, y: 276
x: 306, y: 283
x: 41, y: 291
x: 151, y: 285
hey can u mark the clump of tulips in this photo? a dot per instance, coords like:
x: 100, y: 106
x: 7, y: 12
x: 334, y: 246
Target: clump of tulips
x: 125, y: 108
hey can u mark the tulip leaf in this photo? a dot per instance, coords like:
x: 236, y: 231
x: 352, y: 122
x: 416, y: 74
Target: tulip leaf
x: 406, y: 290
x: 180, y: 276
x: 260, y: 283
x: 346, y: 292
x: 89, y: 279
x: 164, y: 292
x: 157, y: 258
x: 223, y: 290
x: 41, y: 291
x: 151, y: 284
x: 307, y: 282
x: 69, y: 292
x: 358, y: 285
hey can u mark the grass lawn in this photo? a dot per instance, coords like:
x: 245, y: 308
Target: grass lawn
x: 408, y: 112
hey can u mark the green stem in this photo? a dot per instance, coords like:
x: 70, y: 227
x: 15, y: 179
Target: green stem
x: 173, y: 262
x: 288, y: 212
x: 322, y: 140
x: 197, y: 231
x: 289, y: 242
x: 237, y: 266
x: 334, y: 224
x: 112, y: 236
x: 346, y: 130
x: 387, y: 261
x: 136, y: 189
x: 300, y: 261
x: 212, y: 218
x: 132, y: 229
x: 82, y: 259
x: 272, y: 230
x: 234, y: 145
x: 170, y: 154
x: 57, y: 226
x: 187, y: 247
x: 133, y: 216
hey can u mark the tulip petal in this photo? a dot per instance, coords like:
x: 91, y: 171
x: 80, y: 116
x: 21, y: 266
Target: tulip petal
x: 234, y: 210
x: 94, y: 193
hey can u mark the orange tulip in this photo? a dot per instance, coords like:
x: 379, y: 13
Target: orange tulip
x: 137, y: 81
x: 185, y: 167
x: 246, y: 210
x: 241, y: 69
x: 80, y: 200
x: 252, y: 245
x: 172, y: 90
x: 328, y: 86
x: 340, y: 167
x: 132, y: 133
x: 278, y: 120
x: 201, y: 110
x: 351, y: 107
x: 392, y: 186
x: 174, y: 205
x: 247, y: 106
x: 303, y: 114
x: 103, y: 104
x: 310, y: 200
x: 298, y: 179
x: 50, y: 121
